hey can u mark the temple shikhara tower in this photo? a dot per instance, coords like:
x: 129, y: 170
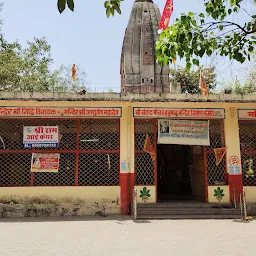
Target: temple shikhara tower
x: 139, y: 70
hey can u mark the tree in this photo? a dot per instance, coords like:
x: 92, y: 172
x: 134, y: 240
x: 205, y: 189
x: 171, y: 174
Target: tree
x: 28, y: 69
x: 193, y: 36
x: 238, y: 87
x: 189, y: 79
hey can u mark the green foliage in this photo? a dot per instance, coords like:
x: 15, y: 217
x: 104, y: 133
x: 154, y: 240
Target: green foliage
x: 61, y: 4
x: 26, y: 69
x: 236, y: 87
x: 111, y: 6
x: 193, y: 36
x: 189, y: 79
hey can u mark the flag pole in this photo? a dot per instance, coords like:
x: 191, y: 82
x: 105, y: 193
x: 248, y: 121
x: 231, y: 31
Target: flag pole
x: 200, y: 77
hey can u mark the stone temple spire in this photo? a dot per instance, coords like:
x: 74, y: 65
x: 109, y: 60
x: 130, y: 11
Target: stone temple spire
x: 139, y: 71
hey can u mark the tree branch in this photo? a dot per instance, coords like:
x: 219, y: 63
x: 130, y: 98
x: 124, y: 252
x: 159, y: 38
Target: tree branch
x: 229, y: 23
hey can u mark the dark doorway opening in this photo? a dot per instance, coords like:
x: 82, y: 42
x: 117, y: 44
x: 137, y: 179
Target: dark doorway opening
x: 173, y: 172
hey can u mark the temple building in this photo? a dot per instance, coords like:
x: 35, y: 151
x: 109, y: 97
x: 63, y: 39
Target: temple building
x: 140, y: 73
x: 134, y: 152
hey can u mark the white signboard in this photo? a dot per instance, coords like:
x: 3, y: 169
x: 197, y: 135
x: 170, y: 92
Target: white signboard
x: 40, y: 136
x: 247, y: 114
x: 183, y: 132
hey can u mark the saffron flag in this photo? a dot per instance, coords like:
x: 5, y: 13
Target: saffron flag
x: 73, y: 72
x: 149, y: 148
x: 166, y: 15
x: 219, y: 154
x: 203, y: 86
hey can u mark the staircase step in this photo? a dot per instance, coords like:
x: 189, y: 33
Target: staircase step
x: 155, y: 217
x: 186, y: 205
x: 165, y: 213
x: 188, y: 211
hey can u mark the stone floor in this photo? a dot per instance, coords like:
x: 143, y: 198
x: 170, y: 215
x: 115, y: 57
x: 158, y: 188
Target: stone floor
x: 118, y: 236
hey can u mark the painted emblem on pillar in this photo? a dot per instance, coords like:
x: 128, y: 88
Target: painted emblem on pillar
x: 218, y: 193
x: 145, y: 194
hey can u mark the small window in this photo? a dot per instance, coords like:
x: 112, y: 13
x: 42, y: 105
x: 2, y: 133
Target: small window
x: 145, y: 11
x: 146, y: 52
x: 147, y: 79
x: 139, y: 21
x: 152, y: 81
x: 142, y: 81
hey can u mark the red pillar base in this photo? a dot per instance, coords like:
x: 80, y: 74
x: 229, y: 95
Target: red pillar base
x: 126, y: 186
x: 235, y: 186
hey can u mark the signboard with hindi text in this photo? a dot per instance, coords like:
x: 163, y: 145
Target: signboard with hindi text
x: 185, y: 113
x: 246, y: 114
x: 183, y: 132
x: 60, y: 111
x: 45, y: 162
x: 40, y: 136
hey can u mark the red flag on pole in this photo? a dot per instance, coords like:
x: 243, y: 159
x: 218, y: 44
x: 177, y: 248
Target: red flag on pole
x: 203, y: 86
x: 166, y: 15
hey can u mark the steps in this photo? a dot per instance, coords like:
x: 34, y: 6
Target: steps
x: 187, y: 210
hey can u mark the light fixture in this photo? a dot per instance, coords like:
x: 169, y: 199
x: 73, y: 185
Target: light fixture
x: 90, y: 140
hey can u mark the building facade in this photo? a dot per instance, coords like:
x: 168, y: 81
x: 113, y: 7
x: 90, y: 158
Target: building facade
x: 102, y: 154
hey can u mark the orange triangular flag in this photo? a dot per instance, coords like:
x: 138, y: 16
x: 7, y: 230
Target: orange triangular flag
x: 149, y: 148
x: 219, y: 154
x: 73, y: 72
x: 203, y: 86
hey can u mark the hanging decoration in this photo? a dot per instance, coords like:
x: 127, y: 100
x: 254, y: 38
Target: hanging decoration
x: 109, y: 165
x: 203, y: 86
x: 149, y: 148
x: 249, y: 171
x: 219, y: 154
x: 73, y: 72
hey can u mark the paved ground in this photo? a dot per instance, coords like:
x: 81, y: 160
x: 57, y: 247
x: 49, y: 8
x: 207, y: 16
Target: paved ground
x: 121, y: 236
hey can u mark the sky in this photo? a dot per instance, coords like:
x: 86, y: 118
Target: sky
x: 88, y: 38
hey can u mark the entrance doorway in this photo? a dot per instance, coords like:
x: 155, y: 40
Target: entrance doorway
x: 174, y: 172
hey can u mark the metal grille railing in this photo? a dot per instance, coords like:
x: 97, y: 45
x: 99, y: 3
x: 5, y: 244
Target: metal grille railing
x: 95, y: 169
x: 247, y: 132
x: 11, y: 132
x: 144, y: 166
x: 15, y: 169
x: 216, y: 173
x: 89, y: 153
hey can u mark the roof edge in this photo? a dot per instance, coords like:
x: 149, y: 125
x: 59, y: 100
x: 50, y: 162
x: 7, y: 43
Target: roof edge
x: 165, y: 97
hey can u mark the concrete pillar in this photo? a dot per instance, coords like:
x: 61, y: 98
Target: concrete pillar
x: 126, y: 178
x: 234, y: 169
